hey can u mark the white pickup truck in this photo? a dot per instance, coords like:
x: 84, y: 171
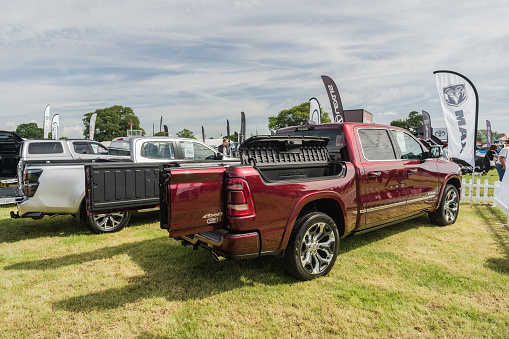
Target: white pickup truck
x: 51, y: 185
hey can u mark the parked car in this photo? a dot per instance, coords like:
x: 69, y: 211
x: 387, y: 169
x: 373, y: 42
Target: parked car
x: 288, y: 198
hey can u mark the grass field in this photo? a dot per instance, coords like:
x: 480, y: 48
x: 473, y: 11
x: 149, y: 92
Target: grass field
x: 408, y: 280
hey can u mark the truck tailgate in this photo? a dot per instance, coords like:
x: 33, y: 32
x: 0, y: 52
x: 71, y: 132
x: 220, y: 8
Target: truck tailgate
x: 193, y: 201
x: 116, y: 186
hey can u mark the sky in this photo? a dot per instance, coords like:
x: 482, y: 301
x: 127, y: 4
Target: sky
x: 198, y: 63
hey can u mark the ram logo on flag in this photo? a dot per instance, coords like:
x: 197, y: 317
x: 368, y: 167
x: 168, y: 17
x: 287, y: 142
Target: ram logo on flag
x: 455, y: 95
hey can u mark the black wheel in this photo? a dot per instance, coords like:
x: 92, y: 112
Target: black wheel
x: 447, y: 212
x: 107, y: 223
x: 313, y: 247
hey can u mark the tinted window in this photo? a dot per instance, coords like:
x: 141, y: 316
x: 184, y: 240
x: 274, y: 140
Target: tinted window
x: 410, y: 148
x: 45, y: 148
x: 158, y: 150
x: 194, y: 150
x: 376, y: 144
x: 119, y: 147
x: 81, y: 148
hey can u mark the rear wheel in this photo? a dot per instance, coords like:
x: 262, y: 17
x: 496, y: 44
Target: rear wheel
x: 447, y: 212
x: 107, y: 223
x: 313, y: 247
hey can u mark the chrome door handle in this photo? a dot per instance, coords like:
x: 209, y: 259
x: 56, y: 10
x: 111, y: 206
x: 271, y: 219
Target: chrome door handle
x: 373, y: 175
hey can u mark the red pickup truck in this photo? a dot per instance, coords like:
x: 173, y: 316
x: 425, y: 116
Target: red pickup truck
x: 296, y: 193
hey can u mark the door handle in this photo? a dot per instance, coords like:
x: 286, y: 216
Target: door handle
x: 373, y: 175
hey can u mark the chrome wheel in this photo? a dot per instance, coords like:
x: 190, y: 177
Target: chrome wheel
x: 108, y: 223
x: 451, y: 205
x: 317, y: 248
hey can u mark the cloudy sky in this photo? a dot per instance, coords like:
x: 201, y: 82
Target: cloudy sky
x: 198, y: 62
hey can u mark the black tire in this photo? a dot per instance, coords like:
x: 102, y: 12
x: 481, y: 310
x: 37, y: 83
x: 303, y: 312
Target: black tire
x: 107, y: 223
x: 313, y: 247
x: 447, y: 212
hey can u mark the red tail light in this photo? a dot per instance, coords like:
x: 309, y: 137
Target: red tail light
x: 240, y: 201
x: 31, y: 181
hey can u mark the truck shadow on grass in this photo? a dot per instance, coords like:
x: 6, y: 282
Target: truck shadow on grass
x: 177, y: 273
x: 492, y: 216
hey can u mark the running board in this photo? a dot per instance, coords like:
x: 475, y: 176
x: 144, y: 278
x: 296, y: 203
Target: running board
x: 388, y: 224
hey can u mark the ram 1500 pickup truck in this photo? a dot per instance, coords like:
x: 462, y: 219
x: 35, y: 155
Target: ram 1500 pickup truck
x: 288, y: 198
x: 53, y: 183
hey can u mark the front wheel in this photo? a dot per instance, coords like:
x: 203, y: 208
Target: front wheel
x: 447, y: 212
x: 107, y: 223
x: 313, y: 247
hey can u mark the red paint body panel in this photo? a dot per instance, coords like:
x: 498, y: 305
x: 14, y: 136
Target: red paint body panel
x: 368, y: 194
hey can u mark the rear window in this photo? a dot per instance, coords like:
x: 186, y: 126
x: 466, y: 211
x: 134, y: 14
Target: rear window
x: 336, y: 145
x: 119, y: 147
x: 45, y: 148
x: 376, y: 144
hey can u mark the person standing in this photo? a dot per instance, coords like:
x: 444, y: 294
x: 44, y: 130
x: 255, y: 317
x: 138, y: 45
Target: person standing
x: 491, y: 154
x: 501, y: 162
x: 224, y: 148
x: 445, y: 151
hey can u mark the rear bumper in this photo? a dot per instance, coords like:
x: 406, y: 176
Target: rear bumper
x: 227, y: 244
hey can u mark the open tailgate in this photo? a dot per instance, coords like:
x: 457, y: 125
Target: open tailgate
x: 10, y: 195
x: 191, y: 200
x: 114, y: 187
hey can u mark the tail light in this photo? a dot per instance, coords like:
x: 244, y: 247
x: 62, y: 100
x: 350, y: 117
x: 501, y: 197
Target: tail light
x: 31, y: 181
x: 240, y: 201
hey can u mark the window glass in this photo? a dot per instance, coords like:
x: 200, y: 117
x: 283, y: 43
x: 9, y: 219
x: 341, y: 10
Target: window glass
x: 195, y: 150
x: 119, y: 147
x: 158, y: 150
x: 81, y: 148
x: 98, y: 148
x: 410, y: 148
x: 45, y: 148
x: 376, y: 144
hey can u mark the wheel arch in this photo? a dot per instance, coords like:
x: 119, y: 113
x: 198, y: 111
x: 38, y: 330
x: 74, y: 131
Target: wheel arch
x: 329, y: 203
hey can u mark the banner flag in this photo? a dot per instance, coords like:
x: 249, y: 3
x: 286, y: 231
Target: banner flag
x: 165, y: 130
x: 91, y: 126
x: 460, y: 103
x: 314, y: 111
x: 46, y: 124
x: 236, y: 137
x: 54, y: 127
x: 203, y: 134
x: 153, y: 129
x: 228, y: 129
x: 335, y: 100
x: 242, y: 127
x: 161, y: 124
x: 488, y: 131
x: 426, y: 125
x: 131, y: 120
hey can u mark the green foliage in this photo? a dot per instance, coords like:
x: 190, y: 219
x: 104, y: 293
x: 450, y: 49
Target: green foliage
x: 29, y: 131
x: 185, y: 133
x: 111, y: 122
x: 159, y: 134
x: 413, y: 123
x: 294, y: 116
x: 482, y: 136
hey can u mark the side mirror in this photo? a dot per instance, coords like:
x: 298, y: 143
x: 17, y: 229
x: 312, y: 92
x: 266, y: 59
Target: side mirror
x: 435, y: 152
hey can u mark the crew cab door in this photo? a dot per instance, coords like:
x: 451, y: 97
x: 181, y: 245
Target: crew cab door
x: 382, y: 179
x: 422, y: 181
x: 191, y: 200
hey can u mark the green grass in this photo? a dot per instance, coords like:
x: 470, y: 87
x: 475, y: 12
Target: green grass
x: 408, y: 280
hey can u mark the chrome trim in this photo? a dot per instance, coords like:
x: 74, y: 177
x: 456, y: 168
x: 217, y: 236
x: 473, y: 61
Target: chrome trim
x: 379, y: 208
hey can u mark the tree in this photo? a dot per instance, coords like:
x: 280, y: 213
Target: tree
x: 160, y: 134
x: 294, y: 116
x: 482, y: 136
x: 112, y: 122
x: 413, y: 123
x: 29, y: 131
x: 185, y: 133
